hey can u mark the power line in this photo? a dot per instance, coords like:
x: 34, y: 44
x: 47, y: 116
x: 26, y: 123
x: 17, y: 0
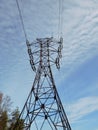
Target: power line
x: 60, y: 22
x: 22, y: 22
x: 61, y: 17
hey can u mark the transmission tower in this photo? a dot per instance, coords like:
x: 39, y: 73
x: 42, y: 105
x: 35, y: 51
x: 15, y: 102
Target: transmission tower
x: 43, y: 109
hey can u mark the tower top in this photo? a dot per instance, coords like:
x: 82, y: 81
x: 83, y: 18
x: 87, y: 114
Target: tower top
x: 45, y: 52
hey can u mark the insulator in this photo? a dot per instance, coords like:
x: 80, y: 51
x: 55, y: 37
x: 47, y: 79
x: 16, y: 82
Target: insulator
x: 59, y: 49
x: 27, y: 42
x: 29, y: 51
x: 61, y: 46
x: 58, y: 66
x: 31, y: 62
x: 59, y: 52
x: 61, y: 39
x: 33, y: 68
x: 31, y: 57
x: 60, y: 55
x: 61, y: 43
x: 57, y: 63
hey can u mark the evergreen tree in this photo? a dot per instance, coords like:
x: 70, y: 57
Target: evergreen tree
x: 3, y: 120
x: 16, y: 124
x: 5, y: 104
x: 9, y: 122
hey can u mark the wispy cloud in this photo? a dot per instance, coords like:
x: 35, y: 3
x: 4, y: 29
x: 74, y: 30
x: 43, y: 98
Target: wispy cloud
x: 82, y: 107
x: 80, y: 33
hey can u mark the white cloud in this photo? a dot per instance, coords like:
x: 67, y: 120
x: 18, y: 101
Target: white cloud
x: 82, y: 107
x: 80, y: 33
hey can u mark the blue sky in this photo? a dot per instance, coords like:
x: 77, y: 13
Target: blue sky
x: 77, y: 80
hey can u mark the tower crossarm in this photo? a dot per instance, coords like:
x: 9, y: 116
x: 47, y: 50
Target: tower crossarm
x: 45, y: 51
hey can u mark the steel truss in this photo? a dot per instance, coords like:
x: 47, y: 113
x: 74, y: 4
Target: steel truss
x: 43, y: 109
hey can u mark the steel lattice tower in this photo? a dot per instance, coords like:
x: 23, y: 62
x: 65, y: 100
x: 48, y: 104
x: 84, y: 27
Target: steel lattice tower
x: 43, y: 109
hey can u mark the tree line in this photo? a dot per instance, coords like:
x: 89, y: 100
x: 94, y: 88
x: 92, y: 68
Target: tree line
x: 8, y: 117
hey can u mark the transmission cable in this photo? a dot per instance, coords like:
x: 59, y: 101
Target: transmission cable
x: 60, y: 22
x: 21, y: 18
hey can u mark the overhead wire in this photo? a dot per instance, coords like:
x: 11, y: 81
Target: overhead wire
x: 60, y: 22
x: 61, y: 33
x: 21, y: 18
x: 68, y: 94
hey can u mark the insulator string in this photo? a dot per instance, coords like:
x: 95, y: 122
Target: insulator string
x: 22, y: 22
